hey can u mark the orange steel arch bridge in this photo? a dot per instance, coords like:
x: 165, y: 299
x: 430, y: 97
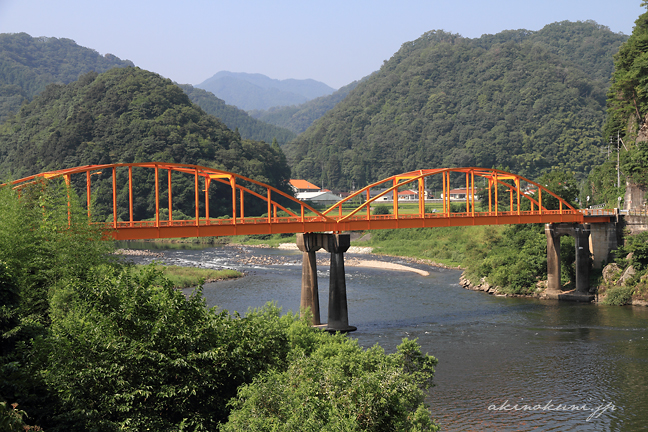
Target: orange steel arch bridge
x: 299, y: 217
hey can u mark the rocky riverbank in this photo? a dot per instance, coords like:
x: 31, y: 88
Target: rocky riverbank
x: 484, y: 286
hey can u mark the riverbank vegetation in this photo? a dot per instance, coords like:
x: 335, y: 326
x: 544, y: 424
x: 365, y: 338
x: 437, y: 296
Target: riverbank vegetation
x: 626, y: 280
x: 89, y: 343
x: 512, y: 258
x: 187, y: 277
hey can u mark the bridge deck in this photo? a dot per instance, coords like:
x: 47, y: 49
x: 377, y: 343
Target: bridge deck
x: 283, y: 225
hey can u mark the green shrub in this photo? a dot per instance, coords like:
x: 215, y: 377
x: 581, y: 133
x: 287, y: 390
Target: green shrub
x: 128, y: 352
x: 381, y: 210
x: 339, y: 387
x: 619, y: 296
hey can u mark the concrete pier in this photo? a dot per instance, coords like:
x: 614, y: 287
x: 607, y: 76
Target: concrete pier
x: 309, y: 288
x: 336, y: 245
x: 581, y: 233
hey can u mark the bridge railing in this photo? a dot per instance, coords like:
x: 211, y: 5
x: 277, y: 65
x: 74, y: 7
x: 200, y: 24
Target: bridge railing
x: 599, y: 212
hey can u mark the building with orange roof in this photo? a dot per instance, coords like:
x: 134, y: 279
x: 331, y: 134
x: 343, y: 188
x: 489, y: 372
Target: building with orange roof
x: 299, y: 185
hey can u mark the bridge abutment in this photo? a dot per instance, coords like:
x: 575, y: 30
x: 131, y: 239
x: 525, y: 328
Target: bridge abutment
x: 336, y: 245
x: 581, y: 233
x: 603, y: 240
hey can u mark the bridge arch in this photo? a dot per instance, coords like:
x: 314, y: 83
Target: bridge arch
x: 538, y: 213
x: 300, y: 217
x: 240, y: 186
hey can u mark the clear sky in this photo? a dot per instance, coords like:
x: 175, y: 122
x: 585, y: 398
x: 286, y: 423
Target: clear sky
x: 333, y: 41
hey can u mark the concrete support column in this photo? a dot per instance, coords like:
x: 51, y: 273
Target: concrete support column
x: 553, y: 258
x: 582, y: 234
x: 338, y: 314
x: 336, y: 245
x: 603, y: 240
x: 308, y: 244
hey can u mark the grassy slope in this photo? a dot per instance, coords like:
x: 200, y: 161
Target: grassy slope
x: 448, y: 246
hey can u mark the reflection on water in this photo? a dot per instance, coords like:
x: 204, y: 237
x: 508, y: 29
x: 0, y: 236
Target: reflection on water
x: 492, y: 351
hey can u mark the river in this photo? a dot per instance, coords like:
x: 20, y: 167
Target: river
x: 561, y: 360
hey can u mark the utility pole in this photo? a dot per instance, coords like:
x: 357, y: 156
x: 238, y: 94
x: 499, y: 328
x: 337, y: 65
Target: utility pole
x: 618, y: 161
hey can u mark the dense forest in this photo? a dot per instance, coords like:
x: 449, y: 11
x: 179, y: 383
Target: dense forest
x: 529, y: 101
x: 298, y: 118
x: 128, y: 115
x: 28, y: 65
x: 237, y: 119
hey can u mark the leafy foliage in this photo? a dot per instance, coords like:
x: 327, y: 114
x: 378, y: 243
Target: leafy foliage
x: 618, y: 296
x: 13, y: 419
x: 636, y: 247
x: 339, y: 386
x: 562, y: 184
x: 28, y: 65
x: 42, y: 249
x: 627, y: 110
x: 602, y: 184
x: 130, y: 352
x: 517, y: 99
x: 381, y: 210
x: 514, y: 260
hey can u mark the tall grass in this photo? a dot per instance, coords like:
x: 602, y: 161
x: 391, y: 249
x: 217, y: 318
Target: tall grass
x: 186, y: 277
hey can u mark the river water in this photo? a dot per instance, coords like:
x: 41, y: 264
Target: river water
x: 562, y: 361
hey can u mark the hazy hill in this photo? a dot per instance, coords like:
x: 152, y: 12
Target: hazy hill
x: 235, y: 118
x: 28, y: 65
x: 299, y: 118
x: 529, y: 101
x: 128, y: 115
x: 257, y: 91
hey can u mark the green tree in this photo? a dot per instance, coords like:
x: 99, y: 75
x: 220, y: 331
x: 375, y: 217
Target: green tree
x: 339, y: 386
x: 561, y: 183
x: 128, y: 352
x: 627, y: 109
x: 45, y: 244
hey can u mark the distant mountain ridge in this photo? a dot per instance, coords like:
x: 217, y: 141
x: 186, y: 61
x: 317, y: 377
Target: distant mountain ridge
x: 256, y: 91
x: 298, y: 118
x: 237, y: 119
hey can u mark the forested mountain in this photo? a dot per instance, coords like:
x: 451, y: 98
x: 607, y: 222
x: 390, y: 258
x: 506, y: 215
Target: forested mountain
x: 234, y: 118
x: 299, y: 118
x: 257, y: 91
x: 626, y: 124
x: 128, y: 115
x: 28, y: 65
x: 531, y: 102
